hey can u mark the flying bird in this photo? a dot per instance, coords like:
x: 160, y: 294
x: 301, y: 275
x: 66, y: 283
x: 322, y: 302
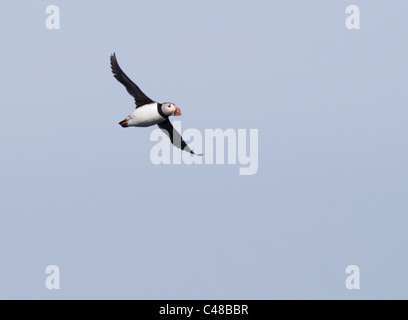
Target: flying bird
x: 149, y: 112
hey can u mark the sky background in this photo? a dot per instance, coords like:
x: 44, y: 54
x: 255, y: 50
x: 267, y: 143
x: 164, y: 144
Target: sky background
x: 80, y: 192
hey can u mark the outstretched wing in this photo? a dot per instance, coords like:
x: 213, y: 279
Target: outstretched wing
x: 140, y: 98
x: 174, y: 136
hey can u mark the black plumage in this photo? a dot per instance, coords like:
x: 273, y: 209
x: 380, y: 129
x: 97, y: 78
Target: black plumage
x: 141, y: 99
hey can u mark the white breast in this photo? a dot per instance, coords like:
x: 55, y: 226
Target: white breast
x: 145, y: 116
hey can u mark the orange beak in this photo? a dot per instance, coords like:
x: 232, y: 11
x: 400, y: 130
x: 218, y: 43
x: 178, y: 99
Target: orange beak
x: 124, y: 123
x: 177, y: 112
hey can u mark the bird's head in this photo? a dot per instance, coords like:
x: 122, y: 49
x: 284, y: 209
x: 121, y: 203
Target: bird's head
x: 170, y: 109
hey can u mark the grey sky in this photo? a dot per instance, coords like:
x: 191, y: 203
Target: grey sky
x: 80, y: 192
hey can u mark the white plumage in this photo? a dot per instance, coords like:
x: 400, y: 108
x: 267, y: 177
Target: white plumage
x: 149, y: 112
x: 145, y: 116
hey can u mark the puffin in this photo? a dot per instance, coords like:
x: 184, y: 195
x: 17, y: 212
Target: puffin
x: 149, y: 112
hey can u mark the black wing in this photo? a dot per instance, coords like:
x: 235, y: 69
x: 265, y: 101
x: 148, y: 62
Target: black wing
x: 140, y: 98
x: 174, y: 136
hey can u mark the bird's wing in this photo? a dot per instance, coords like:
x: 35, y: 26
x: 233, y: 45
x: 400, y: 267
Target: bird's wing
x: 174, y: 136
x: 140, y: 98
